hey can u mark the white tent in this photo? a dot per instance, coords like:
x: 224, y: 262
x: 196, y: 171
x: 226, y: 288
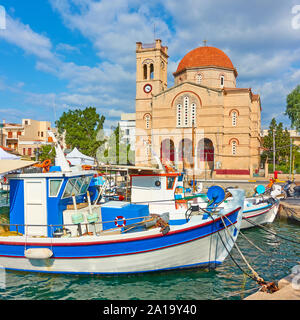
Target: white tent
x: 78, y: 158
x: 7, y: 156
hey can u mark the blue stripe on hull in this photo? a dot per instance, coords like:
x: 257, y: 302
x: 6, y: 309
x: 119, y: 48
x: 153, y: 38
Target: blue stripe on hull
x: 125, y: 247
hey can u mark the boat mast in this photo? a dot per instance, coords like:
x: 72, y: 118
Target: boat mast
x: 60, y: 159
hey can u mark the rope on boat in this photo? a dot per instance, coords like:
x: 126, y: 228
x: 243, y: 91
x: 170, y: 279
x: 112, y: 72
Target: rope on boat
x: 255, y: 274
x: 247, y: 239
x: 265, y: 286
x: 265, y: 229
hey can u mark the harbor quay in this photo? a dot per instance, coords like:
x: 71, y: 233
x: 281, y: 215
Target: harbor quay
x: 288, y: 288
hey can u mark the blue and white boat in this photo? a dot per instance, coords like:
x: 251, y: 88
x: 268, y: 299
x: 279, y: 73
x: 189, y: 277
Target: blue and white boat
x: 165, y: 193
x: 55, y: 228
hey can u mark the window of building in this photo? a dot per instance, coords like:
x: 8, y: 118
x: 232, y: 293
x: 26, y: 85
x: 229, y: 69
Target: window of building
x: 193, y: 114
x: 151, y: 71
x: 145, y: 71
x: 9, y: 134
x: 26, y: 122
x: 179, y: 115
x: 186, y: 110
x: 42, y: 133
x: 234, y: 118
x: 148, y: 121
x: 222, y: 81
x: 127, y: 132
x: 29, y: 151
x: 198, y: 78
x: 186, y: 114
x: 233, y: 147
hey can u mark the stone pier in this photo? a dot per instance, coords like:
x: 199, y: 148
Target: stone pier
x: 289, y: 288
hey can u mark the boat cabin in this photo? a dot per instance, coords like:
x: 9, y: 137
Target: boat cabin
x: 40, y: 200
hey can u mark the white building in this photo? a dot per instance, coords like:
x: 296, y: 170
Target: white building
x: 127, y: 125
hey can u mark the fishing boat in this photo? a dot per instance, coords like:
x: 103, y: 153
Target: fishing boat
x: 165, y: 192
x: 54, y: 227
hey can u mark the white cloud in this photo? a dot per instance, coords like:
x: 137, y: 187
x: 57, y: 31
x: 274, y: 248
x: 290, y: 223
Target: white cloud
x: 24, y: 37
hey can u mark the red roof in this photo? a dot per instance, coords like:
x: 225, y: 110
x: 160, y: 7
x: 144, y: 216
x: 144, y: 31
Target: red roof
x: 205, y: 57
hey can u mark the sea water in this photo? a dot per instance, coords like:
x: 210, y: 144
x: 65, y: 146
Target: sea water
x: 227, y: 281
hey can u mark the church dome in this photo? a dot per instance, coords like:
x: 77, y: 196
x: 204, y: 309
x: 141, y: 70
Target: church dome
x: 205, y: 57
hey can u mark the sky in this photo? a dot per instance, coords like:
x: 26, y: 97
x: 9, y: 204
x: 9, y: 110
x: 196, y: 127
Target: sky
x: 57, y: 55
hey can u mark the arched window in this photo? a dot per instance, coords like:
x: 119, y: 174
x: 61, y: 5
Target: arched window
x: 193, y: 114
x: 186, y: 113
x: 198, y: 78
x: 186, y: 110
x: 145, y: 71
x: 151, y: 71
x: 179, y: 115
x: 222, y: 78
x: 234, y: 118
x: 147, y: 121
x: 233, y: 147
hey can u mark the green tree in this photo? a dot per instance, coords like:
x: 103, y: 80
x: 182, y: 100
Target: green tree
x: 117, y: 150
x: 81, y: 128
x: 293, y: 107
x: 282, y: 143
x: 47, y: 152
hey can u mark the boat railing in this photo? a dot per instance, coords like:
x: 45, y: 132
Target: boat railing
x: 120, y: 223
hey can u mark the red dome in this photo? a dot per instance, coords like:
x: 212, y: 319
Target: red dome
x: 205, y: 57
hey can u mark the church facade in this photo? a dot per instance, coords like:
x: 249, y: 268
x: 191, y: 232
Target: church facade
x: 203, y: 124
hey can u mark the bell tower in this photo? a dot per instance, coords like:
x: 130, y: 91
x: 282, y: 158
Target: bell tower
x: 151, y: 79
x: 151, y: 69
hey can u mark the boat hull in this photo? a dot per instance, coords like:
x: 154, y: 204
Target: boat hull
x: 194, y: 245
x: 259, y: 216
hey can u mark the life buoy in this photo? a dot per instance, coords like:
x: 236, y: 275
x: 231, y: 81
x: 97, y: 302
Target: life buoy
x: 120, y: 218
x: 46, y: 163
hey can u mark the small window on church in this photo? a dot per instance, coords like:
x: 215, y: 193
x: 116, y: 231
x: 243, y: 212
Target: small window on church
x: 179, y: 115
x: 148, y: 121
x: 222, y: 81
x: 193, y: 114
x: 198, y: 78
x: 145, y: 71
x: 186, y: 111
x: 234, y: 117
x: 151, y: 71
x: 233, y: 147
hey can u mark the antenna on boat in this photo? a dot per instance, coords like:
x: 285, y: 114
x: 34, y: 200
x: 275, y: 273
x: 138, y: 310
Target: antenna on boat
x: 60, y: 159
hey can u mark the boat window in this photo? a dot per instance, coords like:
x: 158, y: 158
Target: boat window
x: 78, y: 185
x: 170, y: 182
x: 69, y: 188
x: 85, y: 185
x: 54, y: 187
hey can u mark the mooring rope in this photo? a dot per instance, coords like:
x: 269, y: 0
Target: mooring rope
x: 246, y: 238
x: 255, y: 274
x: 276, y: 235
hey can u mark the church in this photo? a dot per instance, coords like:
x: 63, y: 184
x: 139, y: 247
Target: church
x: 203, y: 124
